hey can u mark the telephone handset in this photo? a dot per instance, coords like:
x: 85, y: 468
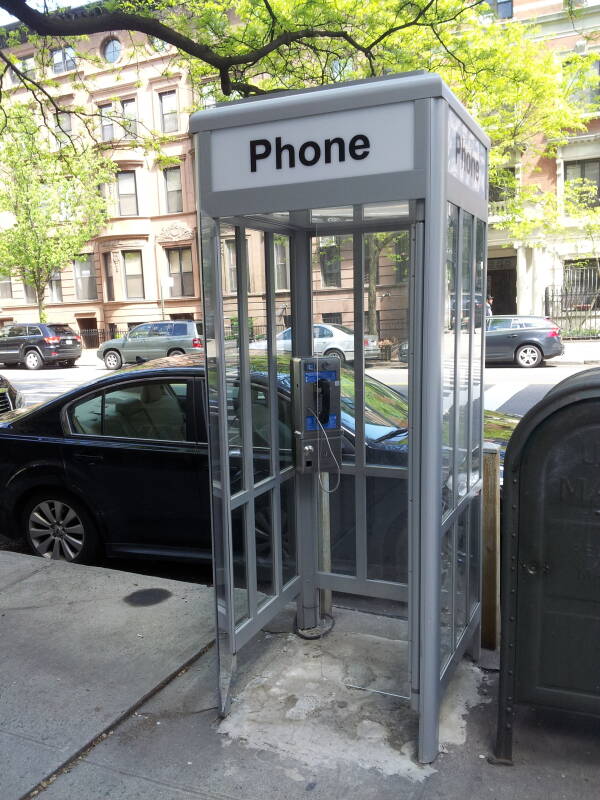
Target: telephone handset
x: 322, y: 399
x: 317, y: 419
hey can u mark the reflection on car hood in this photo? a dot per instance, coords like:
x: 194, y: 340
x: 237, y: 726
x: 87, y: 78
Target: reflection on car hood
x: 109, y: 343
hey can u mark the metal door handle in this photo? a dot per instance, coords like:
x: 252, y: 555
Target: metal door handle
x: 88, y: 458
x: 512, y: 335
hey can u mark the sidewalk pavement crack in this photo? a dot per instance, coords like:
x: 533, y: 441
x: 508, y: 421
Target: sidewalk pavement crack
x: 83, y: 751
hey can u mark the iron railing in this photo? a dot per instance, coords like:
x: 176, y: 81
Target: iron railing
x: 576, y: 308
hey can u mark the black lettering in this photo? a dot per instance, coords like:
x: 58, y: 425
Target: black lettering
x: 289, y: 149
x: 341, y: 146
x: 358, y: 143
x: 255, y: 155
x: 308, y: 162
x: 457, y: 145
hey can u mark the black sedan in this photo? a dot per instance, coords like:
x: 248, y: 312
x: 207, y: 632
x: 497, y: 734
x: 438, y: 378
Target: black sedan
x: 120, y: 465
x: 522, y: 340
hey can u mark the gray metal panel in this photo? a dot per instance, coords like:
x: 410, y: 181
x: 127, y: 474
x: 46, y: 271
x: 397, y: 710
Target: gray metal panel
x: 347, y: 191
x: 431, y: 437
x: 338, y: 97
x: 348, y: 584
x: 462, y: 196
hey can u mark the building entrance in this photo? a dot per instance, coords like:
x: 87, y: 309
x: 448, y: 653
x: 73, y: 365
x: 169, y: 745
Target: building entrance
x: 342, y: 231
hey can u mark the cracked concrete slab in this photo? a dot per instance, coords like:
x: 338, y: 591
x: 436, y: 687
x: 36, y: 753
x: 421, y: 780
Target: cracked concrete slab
x: 80, y: 647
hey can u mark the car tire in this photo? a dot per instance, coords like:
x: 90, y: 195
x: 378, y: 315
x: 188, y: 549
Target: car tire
x: 112, y: 359
x: 176, y: 352
x: 529, y: 356
x: 336, y: 353
x: 33, y: 360
x: 58, y: 526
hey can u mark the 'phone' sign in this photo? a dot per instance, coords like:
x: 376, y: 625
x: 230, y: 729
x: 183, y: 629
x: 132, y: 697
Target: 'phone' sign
x: 365, y: 141
x: 466, y: 155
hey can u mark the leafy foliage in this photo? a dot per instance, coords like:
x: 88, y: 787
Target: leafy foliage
x: 50, y: 199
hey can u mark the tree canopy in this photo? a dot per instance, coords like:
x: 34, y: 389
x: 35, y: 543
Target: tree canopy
x: 517, y: 88
x: 50, y: 199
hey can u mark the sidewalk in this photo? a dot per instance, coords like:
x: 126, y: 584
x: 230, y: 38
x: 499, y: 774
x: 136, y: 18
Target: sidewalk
x: 580, y: 352
x: 78, y: 660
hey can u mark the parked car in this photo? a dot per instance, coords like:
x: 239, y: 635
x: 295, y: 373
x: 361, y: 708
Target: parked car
x: 120, y: 465
x: 37, y: 344
x: 328, y: 340
x: 152, y: 340
x: 525, y: 341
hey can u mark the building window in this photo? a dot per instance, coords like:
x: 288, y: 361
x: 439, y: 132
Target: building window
x: 6, y: 287
x: 173, y: 189
x: 85, y: 279
x: 109, y: 282
x: 111, y: 50
x: 503, y: 188
x: 229, y: 257
x: 168, y: 111
x: 106, y: 123
x: 128, y: 118
x: 55, y: 287
x: 584, y: 170
x: 62, y: 125
x: 281, y: 246
x: 333, y: 318
x: 30, y: 294
x: 180, y: 271
x: 502, y: 8
x: 158, y: 44
x: 127, y: 191
x: 63, y: 60
x: 330, y: 259
x: 134, y: 275
x: 26, y: 66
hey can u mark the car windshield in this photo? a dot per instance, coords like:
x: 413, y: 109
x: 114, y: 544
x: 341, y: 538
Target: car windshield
x: 383, y: 406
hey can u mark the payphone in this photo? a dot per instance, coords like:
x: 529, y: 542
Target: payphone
x: 317, y: 417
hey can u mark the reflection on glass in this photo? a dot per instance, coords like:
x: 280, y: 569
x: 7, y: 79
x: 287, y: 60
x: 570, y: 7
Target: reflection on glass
x: 448, y: 358
x: 387, y: 529
x: 460, y: 581
x: 464, y: 357
x: 280, y: 254
x: 340, y: 555
x: 476, y: 352
x: 263, y: 534
x: 261, y: 366
x: 333, y: 312
x: 330, y: 216
x: 386, y: 337
x: 288, y: 531
x: 392, y: 210
x: 232, y: 355
x: 240, y: 574
x: 447, y: 562
x: 474, y: 554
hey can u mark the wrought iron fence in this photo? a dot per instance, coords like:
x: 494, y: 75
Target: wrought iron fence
x: 576, y: 308
x: 93, y: 337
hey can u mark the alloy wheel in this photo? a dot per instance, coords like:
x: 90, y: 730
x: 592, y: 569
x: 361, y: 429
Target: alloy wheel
x: 56, y: 531
x: 528, y: 356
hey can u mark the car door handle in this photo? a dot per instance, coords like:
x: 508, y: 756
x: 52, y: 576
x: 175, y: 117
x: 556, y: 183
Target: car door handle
x: 513, y: 335
x: 88, y: 458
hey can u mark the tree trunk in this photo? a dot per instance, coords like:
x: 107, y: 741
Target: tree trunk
x: 372, y: 258
x: 40, y: 302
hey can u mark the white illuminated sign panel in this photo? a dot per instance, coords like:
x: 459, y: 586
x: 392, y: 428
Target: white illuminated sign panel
x: 466, y: 155
x: 345, y: 144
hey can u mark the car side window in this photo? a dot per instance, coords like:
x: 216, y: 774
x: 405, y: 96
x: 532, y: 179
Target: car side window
x: 17, y: 330
x: 499, y: 324
x: 86, y: 417
x: 180, y: 329
x: 162, y: 329
x: 33, y: 330
x: 155, y: 410
x: 141, y: 330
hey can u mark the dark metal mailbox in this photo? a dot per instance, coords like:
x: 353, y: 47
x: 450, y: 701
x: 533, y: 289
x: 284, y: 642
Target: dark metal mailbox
x: 550, y: 573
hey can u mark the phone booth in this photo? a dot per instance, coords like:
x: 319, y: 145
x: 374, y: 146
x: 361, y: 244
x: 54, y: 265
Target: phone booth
x: 343, y: 237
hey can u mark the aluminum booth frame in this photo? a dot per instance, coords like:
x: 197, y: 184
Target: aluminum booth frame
x: 283, y: 181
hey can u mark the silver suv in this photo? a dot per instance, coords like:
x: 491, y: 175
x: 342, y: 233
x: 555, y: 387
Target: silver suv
x: 152, y: 340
